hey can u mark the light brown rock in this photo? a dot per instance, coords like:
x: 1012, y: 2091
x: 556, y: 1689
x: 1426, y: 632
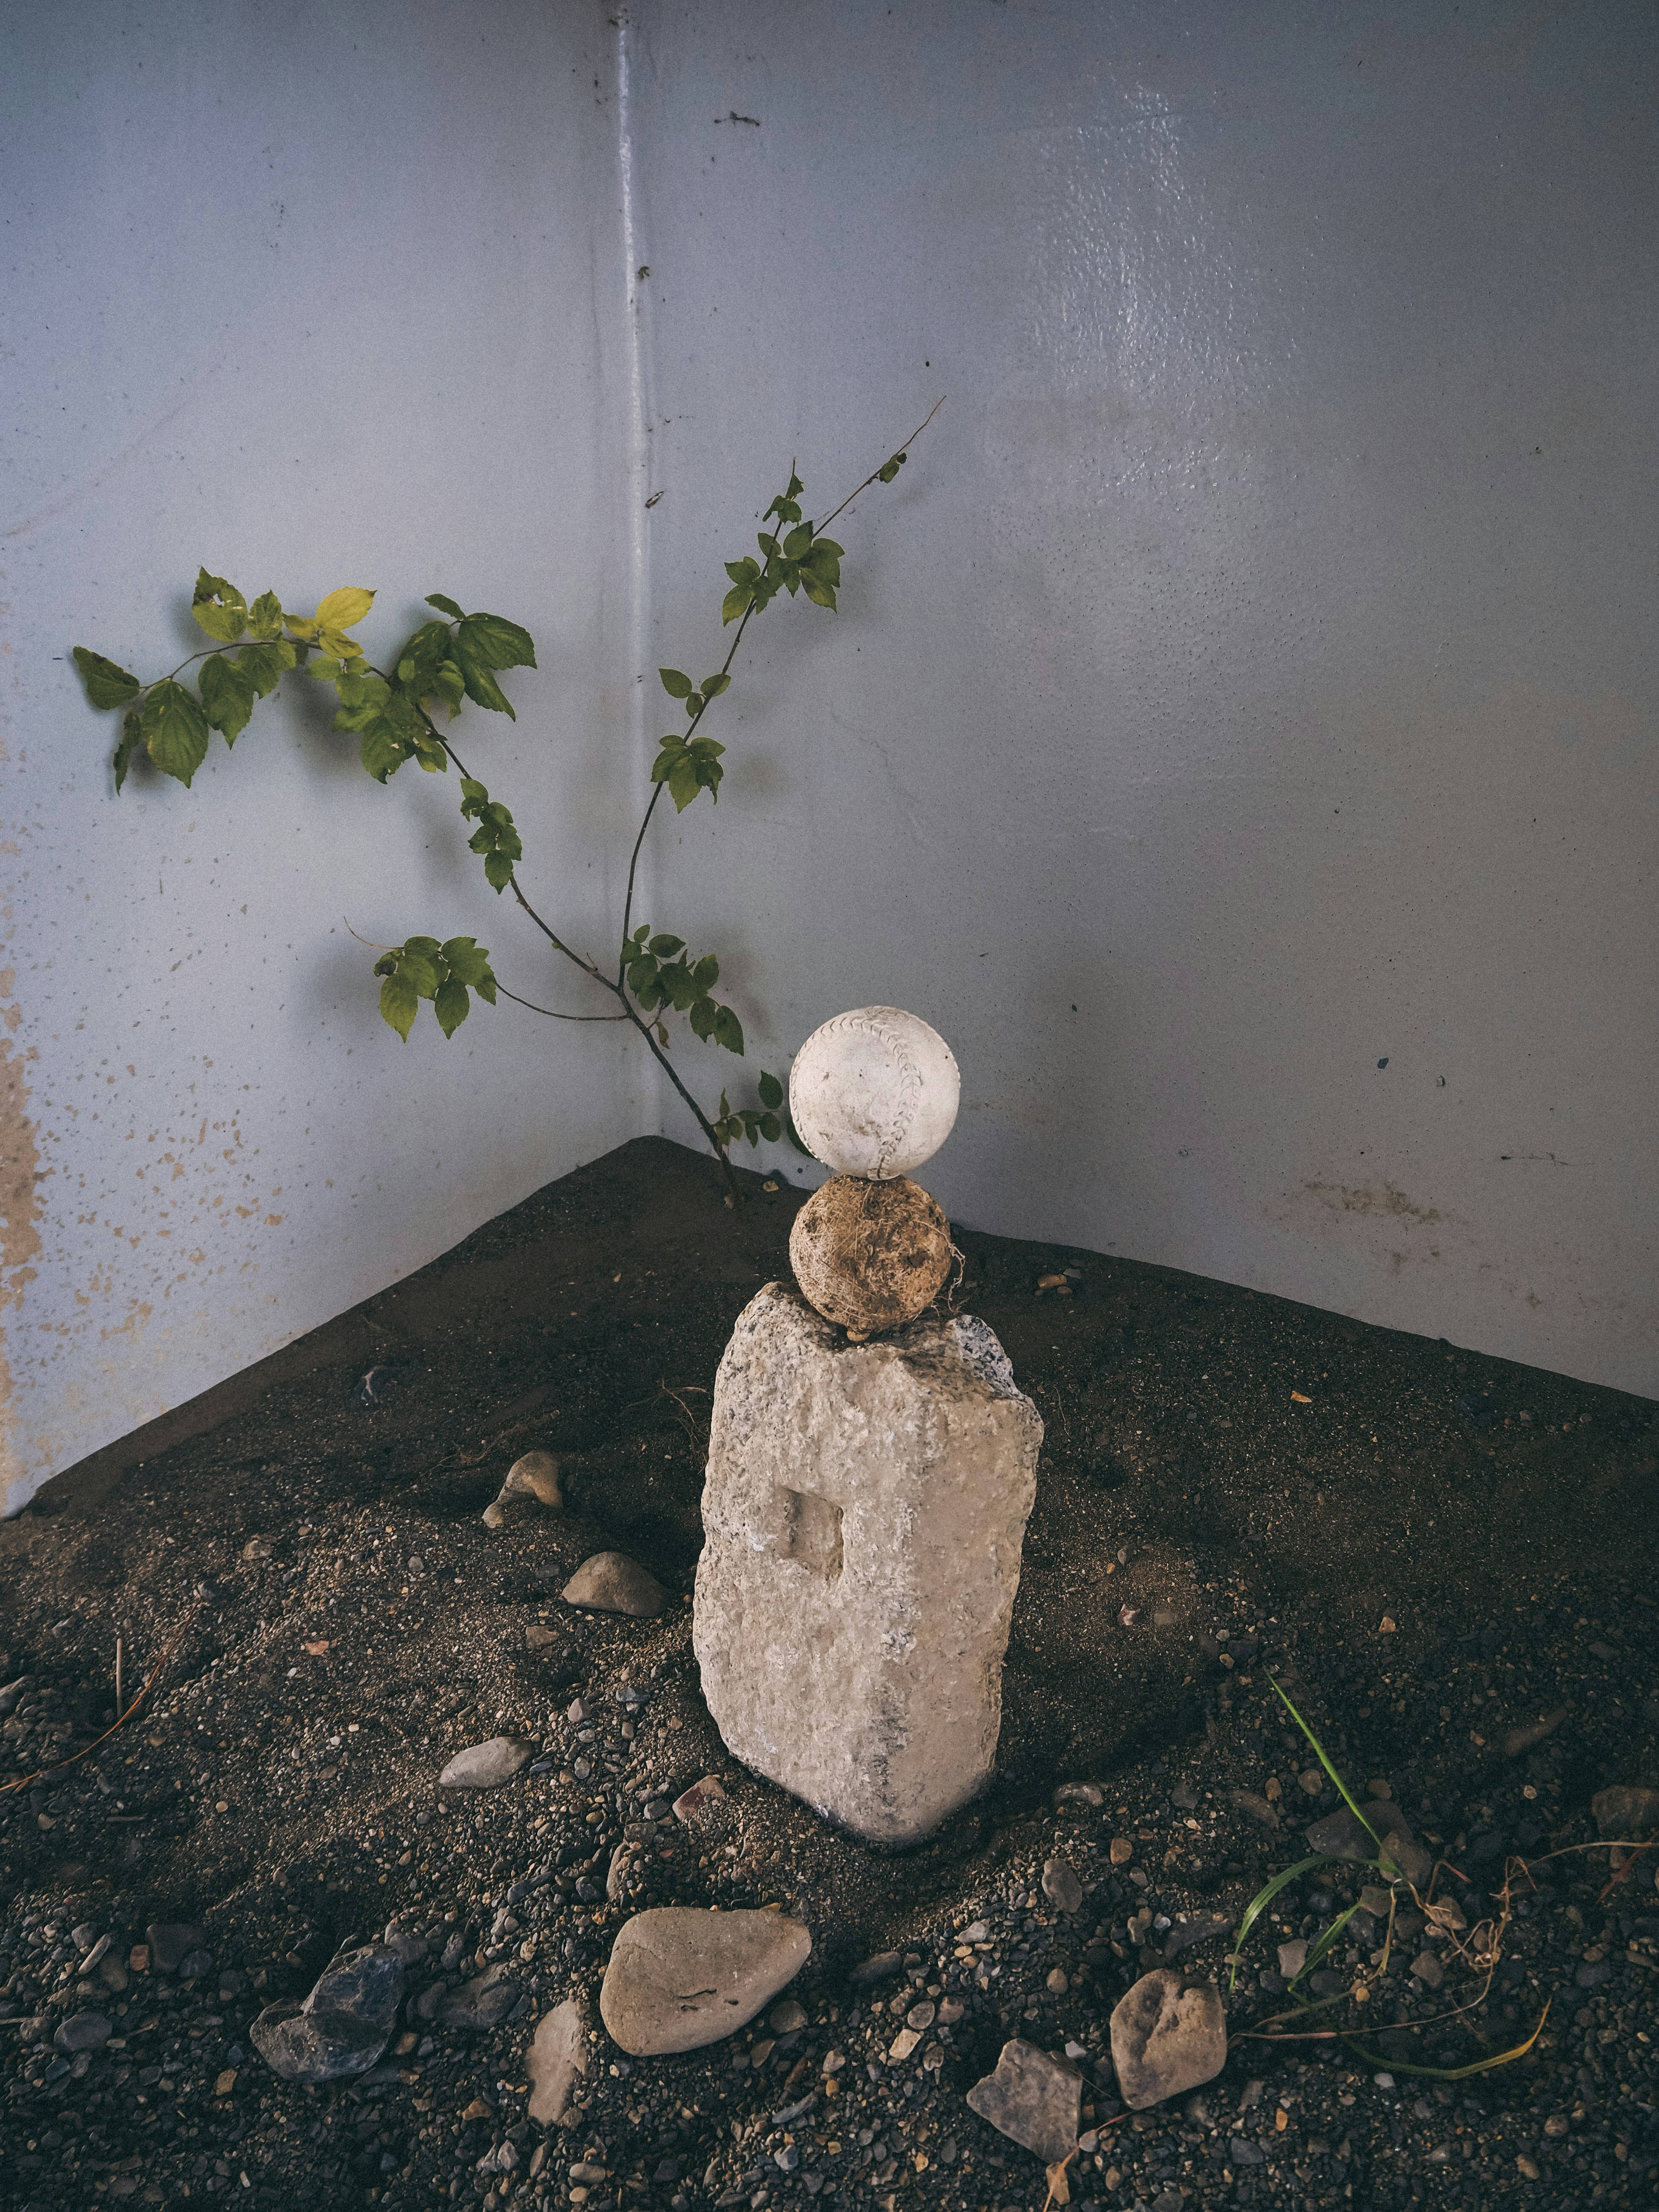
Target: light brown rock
x: 535, y: 1477
x: 682, y: 1976
x: 1031, y: 2099
x: 870, y: 1255
x: 863, y: 1511
x: 612, y: 1583
x: 1167, y: 2035
x: 556, y: 2060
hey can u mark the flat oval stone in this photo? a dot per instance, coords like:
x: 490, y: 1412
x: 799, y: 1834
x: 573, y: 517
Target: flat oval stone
x: 612, y: 1583
x: 1031, y: 2099
x: 1168, y: 2036
x: 172, y: 1941
x: 681, y: 1976
x: 344, y: 2024
x: 557, y: 2061
x: 83, y: 2031
x: 487, y: 1765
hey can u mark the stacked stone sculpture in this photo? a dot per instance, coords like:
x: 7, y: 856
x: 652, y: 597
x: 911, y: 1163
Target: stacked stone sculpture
x: 873, y: 1093
x: 871, y: 1468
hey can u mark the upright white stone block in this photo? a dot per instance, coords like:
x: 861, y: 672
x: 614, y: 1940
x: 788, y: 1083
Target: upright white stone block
x: 863, y: 1514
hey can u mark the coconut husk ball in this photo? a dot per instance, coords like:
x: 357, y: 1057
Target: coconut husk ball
x: 870, y: 1255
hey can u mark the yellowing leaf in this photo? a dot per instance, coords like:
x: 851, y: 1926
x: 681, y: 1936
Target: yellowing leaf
x: 335, y: 642
x: 300, y: 628
x: 342, y: 608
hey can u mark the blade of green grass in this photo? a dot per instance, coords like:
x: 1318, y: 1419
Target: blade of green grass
x: 1265, y: 1896
x: 1348, y: 1797
x: 1326, y: 1941
x: 1452, y: 2073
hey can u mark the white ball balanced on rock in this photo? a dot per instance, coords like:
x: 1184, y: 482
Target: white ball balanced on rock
x: 874, y: 1092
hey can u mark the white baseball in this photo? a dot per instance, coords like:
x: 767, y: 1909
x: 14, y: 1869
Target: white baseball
x: 874, y: 1092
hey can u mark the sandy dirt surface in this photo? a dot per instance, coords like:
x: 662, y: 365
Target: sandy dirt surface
x: 1433, y: 1551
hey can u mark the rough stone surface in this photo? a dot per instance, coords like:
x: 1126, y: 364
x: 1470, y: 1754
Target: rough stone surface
x: 863, y: 1510
x: 344, y: 2024
x: 487, y: 1765
x: 534, y: 1479
x: 682, y: 1976
x: 172, y: 1941
x: 612, y: 1583
x: 1631, y: 1815
x: 1168, y: 2036
x: 1031, y: 2099
x: 1344, y: 1836
x: 83, y: 2031
x: 485, y: 2001
x: 704, y: 1807
x: 555, y: 2061
x: 870, y: 1255
x: 1060, y: 1884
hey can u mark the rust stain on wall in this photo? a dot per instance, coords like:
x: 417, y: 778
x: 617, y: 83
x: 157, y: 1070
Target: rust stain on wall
x: 19, y: 1211
x: 1385, y: 1200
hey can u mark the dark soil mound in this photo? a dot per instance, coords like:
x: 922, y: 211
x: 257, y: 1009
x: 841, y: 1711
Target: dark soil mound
x: 1432, y: 1548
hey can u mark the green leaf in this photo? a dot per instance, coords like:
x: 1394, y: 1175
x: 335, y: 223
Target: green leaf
x: 132, y: 737
x: 820, y: 593
x: 421, y: 657
x: 451, y: 1004
x: 447, y: 606
x: 497, y: 640
x: 771, y: 1128
x: 226, y: 695
x: 707, y: 972
x: 771, y: 1090
x: 398, y: 1003
x: 265, y: 617
x: 486, y: 643
x: 768, y: 545
x: 468, y: 960
x: 743, y: 572
x: 263, y: 665
x: 422, y: 964
x: 798, y: 542
x: 498, y: 871
x: 383, y: 749
x: 676, y: 685
x: 888, y: 469
x: 451, y: 687
x: 796, y: 487
x: 219, y: 607
x: 107, y: 683
x: 728, y: 1029
x: 704, y: 1013
x: 694, y: 704
x: 713, y: 685
x: 683, y: 783
x: 175, y: 730
x: 666, y: 947
x: 736, y: 600
x: 336, y: 611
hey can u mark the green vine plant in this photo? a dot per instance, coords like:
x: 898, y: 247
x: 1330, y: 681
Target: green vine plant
x: 444, y: 664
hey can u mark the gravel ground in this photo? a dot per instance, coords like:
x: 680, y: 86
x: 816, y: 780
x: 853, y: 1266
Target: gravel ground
x: 1432, y: 1550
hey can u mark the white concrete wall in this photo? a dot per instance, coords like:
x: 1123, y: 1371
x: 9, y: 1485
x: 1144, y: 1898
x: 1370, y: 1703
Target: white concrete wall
x: 329, y: 294
x: 1250, y: 683
x: 1238, y: 733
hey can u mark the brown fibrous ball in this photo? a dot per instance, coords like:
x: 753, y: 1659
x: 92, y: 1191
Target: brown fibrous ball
x: 870, y: 1255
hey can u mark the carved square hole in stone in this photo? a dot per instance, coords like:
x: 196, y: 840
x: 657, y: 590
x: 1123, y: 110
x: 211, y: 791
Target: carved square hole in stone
x: 808, y: 1530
